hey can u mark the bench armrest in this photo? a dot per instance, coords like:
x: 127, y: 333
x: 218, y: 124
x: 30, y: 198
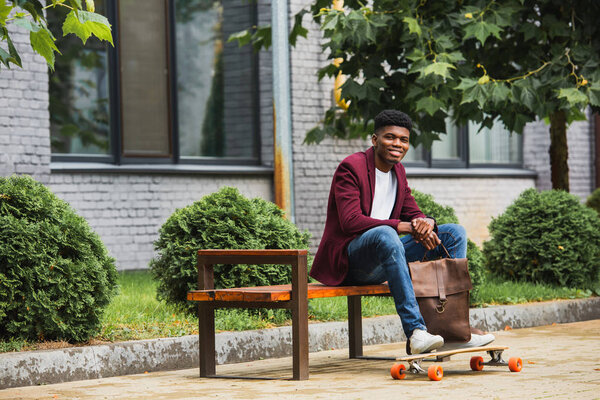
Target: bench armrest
x: 207, y: 258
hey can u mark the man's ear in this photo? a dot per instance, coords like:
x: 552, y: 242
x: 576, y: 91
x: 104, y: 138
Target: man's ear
x: 373, y: 139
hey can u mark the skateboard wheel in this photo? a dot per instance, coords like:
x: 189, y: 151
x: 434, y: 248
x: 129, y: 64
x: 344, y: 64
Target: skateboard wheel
x: 477, y: 363
x: 515, y: 364
x: 397, y: 371
x: 435, y: 372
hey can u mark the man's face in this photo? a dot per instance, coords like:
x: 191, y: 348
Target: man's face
x: 391, y: 145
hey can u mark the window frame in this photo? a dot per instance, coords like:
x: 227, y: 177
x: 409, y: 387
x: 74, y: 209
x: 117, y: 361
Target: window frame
x: 115, y: 155
x: 464, y: 161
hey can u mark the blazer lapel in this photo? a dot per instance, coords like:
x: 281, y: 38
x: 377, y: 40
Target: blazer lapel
x: 399, y: 194
x: 371, y: 173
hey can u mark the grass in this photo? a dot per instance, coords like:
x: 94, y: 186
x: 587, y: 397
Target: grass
x: 135, y: 313
x: 502, y: 292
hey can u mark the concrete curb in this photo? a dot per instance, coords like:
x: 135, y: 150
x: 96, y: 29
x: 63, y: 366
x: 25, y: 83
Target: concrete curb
x: 92, y: 362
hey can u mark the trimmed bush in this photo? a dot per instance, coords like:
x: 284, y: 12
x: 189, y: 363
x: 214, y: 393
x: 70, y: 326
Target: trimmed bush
x: 56, y: 277
x: 547, y: 237
x: 428, y: 205
x: 593, y: 201
x: 446, y: 215
x: 222, y: 220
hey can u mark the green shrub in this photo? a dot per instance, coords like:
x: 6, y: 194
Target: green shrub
x: 446, y: 215
x: 56, y: 277
x: 222, y: 220
x: 593, y: 201
x: 427, y: 204
x: 546, y: 237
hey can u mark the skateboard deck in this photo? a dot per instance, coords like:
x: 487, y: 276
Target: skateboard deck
x: 436, y: 372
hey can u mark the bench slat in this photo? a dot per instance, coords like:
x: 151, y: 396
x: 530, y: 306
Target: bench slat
x: 243, y: 252
x: 284, y: 292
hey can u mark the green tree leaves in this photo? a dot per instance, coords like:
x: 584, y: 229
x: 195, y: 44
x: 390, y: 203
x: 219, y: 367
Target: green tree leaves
x: 439, y: 68
x: 573, y: 96
x: 85, y: 23
x: 484, y: 61
x: 413, y: 25
x: 42, y: 42
x: 29, y: 15
x: 12, y: 56
x: 430, y: 105
x: 481, y: 31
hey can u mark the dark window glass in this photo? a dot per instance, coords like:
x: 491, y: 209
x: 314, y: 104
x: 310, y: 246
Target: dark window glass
x: 144, y: 78
x: 216, y: 81
x: 79, y: 94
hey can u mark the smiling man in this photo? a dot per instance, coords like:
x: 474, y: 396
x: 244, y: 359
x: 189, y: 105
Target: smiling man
x: 370, y: 205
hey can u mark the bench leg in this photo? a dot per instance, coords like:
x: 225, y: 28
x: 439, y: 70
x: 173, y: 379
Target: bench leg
x: 300, y: 343
x: 300, y: 319
x: 355, y: 344
x: 206, y: 343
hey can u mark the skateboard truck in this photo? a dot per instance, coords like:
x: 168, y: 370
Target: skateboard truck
x: 496, y: 360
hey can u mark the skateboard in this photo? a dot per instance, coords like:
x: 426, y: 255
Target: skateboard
x: 436, y: 373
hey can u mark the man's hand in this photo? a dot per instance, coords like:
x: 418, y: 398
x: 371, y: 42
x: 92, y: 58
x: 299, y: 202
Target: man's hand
x: 430, y: 241
x: 422, y: 231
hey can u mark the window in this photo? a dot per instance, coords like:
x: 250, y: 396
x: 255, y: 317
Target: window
x: 144, y: 78
x: 464, y: 147
x: 216, y: 81
x: 79, y: 92
x: 172, y: 90
x: 494, y: 146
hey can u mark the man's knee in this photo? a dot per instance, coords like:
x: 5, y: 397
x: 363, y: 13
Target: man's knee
x: 454, y: 233
x: 387, y: 241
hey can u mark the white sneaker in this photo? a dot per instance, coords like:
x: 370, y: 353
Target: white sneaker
x: 476, y: 341
x: 423, y: 342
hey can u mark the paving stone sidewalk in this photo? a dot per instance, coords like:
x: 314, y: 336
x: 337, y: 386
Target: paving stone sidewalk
x: 560, y: 362
x: 91, y: 362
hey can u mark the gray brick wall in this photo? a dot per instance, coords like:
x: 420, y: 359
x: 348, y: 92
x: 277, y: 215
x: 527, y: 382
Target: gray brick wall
x: 24, y: 117
x: 580, y: 140
x: 127, y: 210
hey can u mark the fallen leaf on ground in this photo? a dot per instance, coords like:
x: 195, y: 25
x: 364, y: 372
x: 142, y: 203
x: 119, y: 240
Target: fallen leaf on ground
x: 507, y: 328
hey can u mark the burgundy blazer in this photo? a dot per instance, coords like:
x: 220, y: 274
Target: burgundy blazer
x: 348, y: 210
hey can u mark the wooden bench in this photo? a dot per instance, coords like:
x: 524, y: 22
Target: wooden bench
x: 293, y: 297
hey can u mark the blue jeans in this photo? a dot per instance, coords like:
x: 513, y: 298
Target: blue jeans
x: 380, y: 255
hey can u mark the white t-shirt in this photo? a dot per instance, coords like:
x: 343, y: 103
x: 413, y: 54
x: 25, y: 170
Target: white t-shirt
x: 384, y: 199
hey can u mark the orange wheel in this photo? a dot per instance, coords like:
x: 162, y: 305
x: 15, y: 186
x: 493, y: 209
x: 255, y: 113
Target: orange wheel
x: 435, y: 372
x: 397, y: 371
x: 515, y: 364
x: 477, y: 363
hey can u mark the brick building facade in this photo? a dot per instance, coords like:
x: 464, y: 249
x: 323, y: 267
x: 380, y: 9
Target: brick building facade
x: 126, y: 203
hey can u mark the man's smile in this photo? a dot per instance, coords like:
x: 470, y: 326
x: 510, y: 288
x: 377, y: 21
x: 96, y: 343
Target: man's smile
x: 396, y: 152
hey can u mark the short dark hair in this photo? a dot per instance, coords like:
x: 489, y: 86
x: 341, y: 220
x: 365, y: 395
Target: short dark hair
x: 393, y: 118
